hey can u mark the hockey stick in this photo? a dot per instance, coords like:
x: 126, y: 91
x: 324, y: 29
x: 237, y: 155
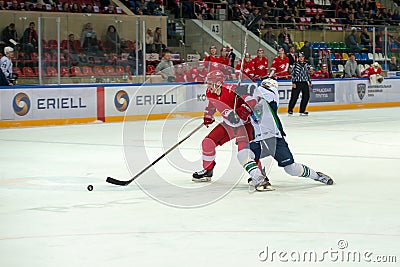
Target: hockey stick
x: 124, y: 183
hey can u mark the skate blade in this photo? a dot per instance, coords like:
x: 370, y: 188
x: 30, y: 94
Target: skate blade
x: 201, y: 180
x: 265, y: 188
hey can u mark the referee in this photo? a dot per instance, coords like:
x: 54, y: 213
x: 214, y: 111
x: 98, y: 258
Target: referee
x: 301, y: 82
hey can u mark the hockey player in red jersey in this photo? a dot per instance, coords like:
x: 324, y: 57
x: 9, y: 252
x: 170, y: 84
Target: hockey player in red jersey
x: 198, y: 74
x: 180, y: 76
x: 248, y: 68
x: 313, y: 74
x: 280, y: 66
x: 372, y: 70
x: 260, y: 63
x: 236, y: 122
x: 212, y: 60
x: 323, y: 73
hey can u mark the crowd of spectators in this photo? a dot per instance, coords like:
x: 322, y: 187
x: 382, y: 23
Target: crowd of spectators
x: 103, y: 6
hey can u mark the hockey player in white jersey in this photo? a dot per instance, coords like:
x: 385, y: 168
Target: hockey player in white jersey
x: 6, y: 63
x: 269, y: 141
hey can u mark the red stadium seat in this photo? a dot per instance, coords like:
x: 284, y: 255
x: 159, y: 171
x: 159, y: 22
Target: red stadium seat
x: 51, y: 71
x: 119, y: 70
x: 87, y: 71
x: 98, y: 70
x: 28, y: 72
x: 109, y: 71
x: 64, y: 71
x: 17, y: 71
x: 76, y: 72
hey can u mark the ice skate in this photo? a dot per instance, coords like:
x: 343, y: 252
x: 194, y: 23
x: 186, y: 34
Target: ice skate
x: 304, y: 114
x: 203, y: 175
x: 323, y: 178
x: 260, y: 184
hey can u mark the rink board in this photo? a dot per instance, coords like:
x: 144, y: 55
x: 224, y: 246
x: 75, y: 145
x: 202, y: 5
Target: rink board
x: 52, y: 105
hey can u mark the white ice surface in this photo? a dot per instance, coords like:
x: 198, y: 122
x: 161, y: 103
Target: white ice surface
x: 48, y: 218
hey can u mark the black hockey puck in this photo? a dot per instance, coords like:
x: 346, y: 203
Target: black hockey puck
x: 90, y: 187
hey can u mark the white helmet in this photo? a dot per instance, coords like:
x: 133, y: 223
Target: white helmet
x: 267, y: 83
x: 8, y: 49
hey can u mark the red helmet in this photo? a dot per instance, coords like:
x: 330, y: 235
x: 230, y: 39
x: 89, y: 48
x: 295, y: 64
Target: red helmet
x: 215, y: 76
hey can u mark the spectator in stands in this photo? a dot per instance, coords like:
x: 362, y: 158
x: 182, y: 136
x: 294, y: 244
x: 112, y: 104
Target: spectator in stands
x: 351, y: 68
x: 316, y: 22
x: 149, y: 40
x: 393, y: 64
x: 14, y: 5
x: 284, y: 39
x: 75, y: 8
x: 365, y: 38
x: 30, y: 39
x: 360, y: 16
x: 231, y: 55
x: 253, y: 21
x: 2, y: 5
x: 158, y: 44
x: 110, y: 9
x: 88, y: 9
x: 9, y: 33
x: 104, y: 4
x: 237, y: 14
x: 27, y: 6
x: 211, y: 14
x: 396, y: 17
x: 40, y: 7
x: 153, y: 8
x: 351, y: 41
x: 71, y: 45
x: 113, y: 41
x: 291, y: 56
x: 89, y: 39
x: 166, y: 68
x: 307, y: 52
x: 270, y: 38
x: 141, y: 8
x: 65, y: 7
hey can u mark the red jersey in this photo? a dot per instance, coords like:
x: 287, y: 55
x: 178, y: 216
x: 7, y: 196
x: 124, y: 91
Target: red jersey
x: 198, y: 75
x: 180, y: 77
x: 260, y: 67
x: 248, y: 69
x: 313, y: 76
x: 224, y: 61
x: 212, y: 62
x: 280, y: 67
x: 225, y: 102
x: 322, y: 75
x: 370, y: 71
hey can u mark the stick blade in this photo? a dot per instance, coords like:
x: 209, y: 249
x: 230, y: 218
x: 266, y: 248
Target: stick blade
x: 117, y: 182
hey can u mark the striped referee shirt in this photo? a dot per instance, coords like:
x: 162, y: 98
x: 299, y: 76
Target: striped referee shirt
x: 300, y: 72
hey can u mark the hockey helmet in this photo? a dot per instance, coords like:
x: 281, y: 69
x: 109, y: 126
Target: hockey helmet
x: 215, y: 79
x: 268, y: 83
x: 8, y: 49
x: 324, y: 66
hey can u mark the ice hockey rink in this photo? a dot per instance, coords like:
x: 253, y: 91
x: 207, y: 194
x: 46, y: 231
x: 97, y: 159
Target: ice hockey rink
x: 49, y: 218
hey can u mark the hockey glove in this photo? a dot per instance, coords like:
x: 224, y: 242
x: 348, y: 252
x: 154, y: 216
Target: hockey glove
x: 233, y: 117
x: 243, y: 112
x: 207, y: 120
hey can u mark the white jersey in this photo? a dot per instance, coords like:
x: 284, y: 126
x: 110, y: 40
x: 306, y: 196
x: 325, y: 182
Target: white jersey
x: 265, y: 120
x: 6, y: 66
